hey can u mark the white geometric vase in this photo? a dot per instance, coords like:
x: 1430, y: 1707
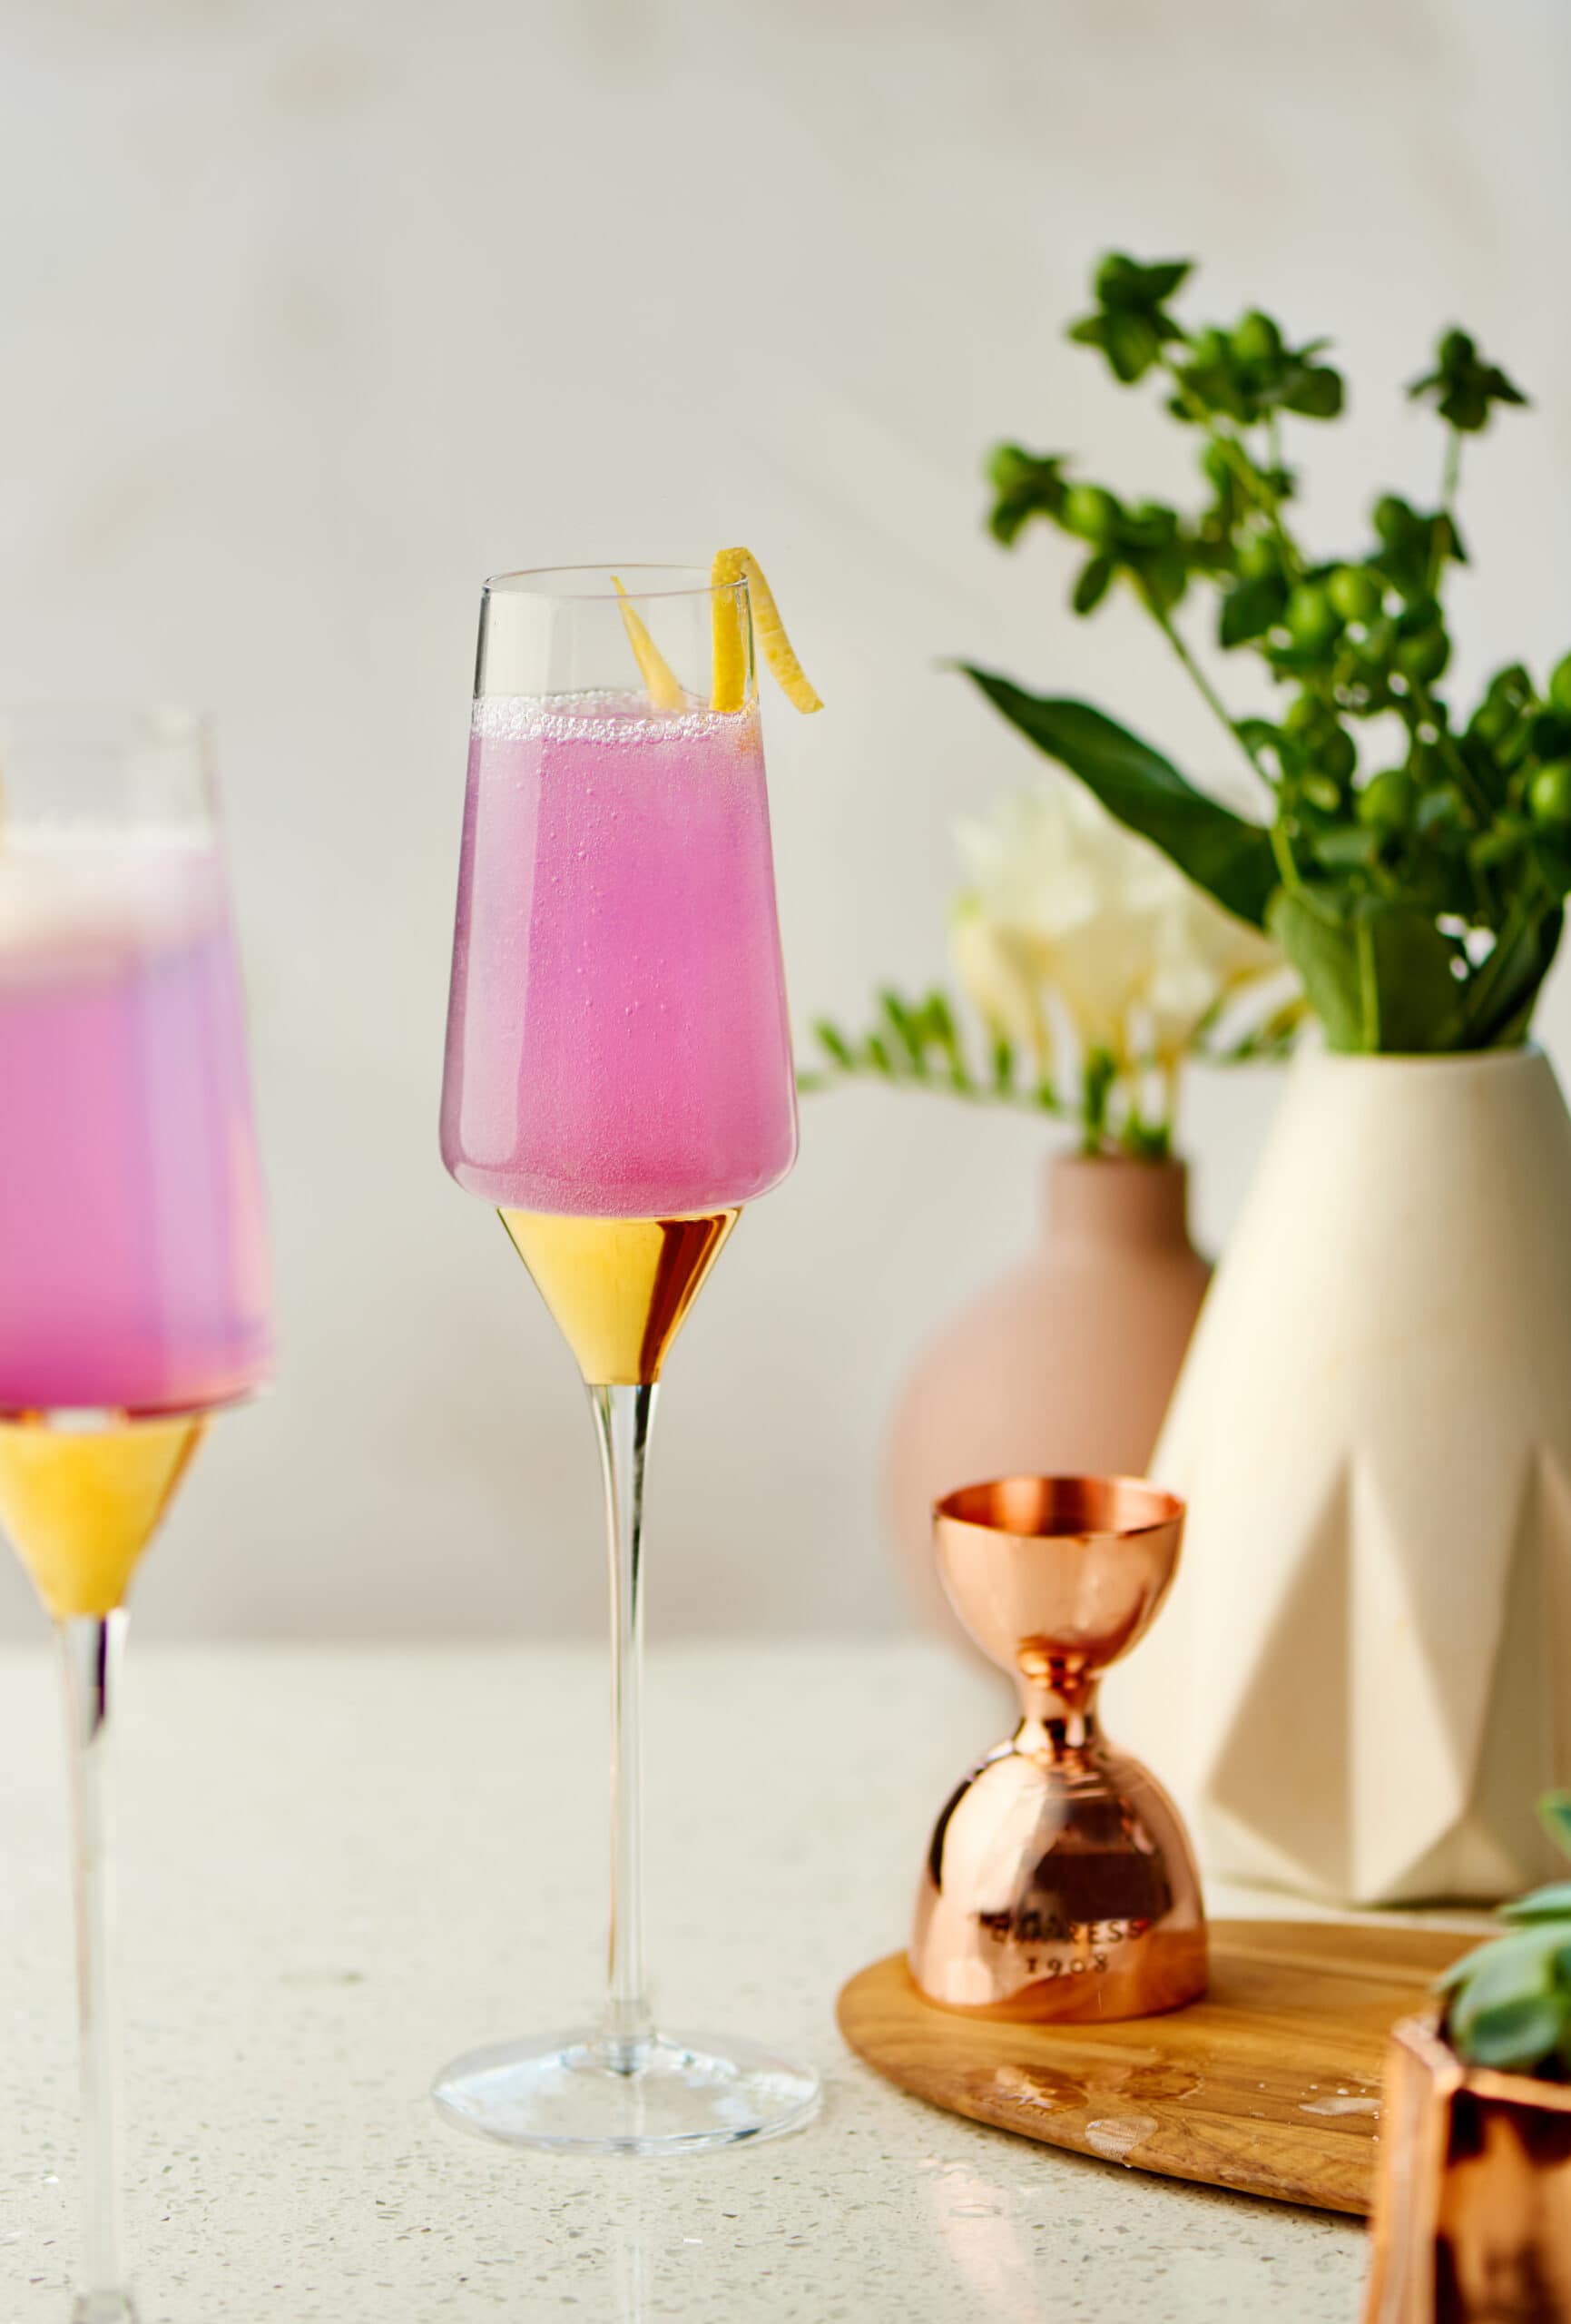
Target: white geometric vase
x: 1362, y: 1680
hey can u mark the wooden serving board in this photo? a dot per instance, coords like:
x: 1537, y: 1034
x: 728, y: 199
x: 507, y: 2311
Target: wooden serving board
x: 1270, y: 2086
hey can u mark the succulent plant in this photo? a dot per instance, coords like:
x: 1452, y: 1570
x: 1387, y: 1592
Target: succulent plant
x: 1508, y: 2002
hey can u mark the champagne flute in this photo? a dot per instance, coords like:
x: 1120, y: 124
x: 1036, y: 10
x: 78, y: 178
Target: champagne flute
x: 618, y: 1084
x: 133, y: 1278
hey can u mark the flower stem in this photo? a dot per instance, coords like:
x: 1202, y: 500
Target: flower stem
x: 1451, y: 474
x: 1209, y: 695
x: 1280, y: 846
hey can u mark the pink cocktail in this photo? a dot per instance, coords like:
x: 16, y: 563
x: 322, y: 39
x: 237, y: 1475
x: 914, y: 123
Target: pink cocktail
x: 617, y: 1039
x: 133, y: 1258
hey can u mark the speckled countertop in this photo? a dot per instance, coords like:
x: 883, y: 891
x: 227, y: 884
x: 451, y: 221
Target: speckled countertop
x: 339, y: 1869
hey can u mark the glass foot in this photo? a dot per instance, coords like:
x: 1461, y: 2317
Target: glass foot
x: 103, y: 2307
x: 665, y: 2097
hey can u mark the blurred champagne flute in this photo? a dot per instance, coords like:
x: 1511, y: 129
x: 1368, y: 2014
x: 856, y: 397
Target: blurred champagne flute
x: 135, y: 1296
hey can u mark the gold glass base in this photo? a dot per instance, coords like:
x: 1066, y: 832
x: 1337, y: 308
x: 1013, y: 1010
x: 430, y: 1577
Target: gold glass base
x: 619, y: 1289
x: 81, y: 1496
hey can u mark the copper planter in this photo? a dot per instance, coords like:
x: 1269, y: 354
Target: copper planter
x: 1473, y: 2201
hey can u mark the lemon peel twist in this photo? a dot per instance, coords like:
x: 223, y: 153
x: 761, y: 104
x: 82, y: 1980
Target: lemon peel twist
x: 661, y: 681
x: 729, y: 682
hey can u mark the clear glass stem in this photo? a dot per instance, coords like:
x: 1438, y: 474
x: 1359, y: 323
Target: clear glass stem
x: 90, y: 1649
x: 624, y: 1416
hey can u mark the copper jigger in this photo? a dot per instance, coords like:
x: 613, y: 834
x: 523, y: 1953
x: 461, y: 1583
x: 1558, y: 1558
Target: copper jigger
x: 1060, y: 1882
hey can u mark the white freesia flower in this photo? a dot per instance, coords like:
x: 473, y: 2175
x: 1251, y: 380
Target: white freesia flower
x: 1001, y: 975
x: 1201, y: 958
x: 1062, y: 904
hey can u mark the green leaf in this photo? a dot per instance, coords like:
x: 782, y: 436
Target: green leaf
x: 1514, y: 2035
x: 907, y: 1031
x: 938, y: 1019
x: 1249, y: 608
x: 1489, y: 778
x: 1231, y: 859
x: 1552, y: 1904
x: 1122, y: 281
x: 1418, y: 996
x: 1024, y: 485
x: 1377, y: 974
x: 1132, y: 343
x: 1503, y: 842
x: 1315, y: 392
x: 1509, y: 1968
x: 1414, y: 547
x: 1098, y: 1079
x: 1164, y: 277
x: 1151, y: 525
x: 1095, y: 580
x: 1507, y: 698
x: 1552, y: 854
x: 1500, y: 997
x: 1549, y: 735
x: 1129, y: 325
x: 1146, y: 1141
x: 1464, y: 384
x: 1458, y: 1975
x: 833, y: 1042
x: 1346, y: 846
x: 1323, y: 949
x: 1161, y: 576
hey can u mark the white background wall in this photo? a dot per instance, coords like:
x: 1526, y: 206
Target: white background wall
x: 314, y: 312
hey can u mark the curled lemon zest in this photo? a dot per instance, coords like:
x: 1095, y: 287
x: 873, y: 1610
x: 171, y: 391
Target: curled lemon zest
x: 661, y: 681
x: 729, y: 682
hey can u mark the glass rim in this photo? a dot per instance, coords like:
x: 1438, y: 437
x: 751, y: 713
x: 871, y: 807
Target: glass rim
x: 124, y: 763
x: 530, y: 581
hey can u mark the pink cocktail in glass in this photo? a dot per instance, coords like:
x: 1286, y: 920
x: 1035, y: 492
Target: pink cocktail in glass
x: 617, y: 1043
x: 134, y: 1276
x: 619, y: 1084
x: 133, y: 1261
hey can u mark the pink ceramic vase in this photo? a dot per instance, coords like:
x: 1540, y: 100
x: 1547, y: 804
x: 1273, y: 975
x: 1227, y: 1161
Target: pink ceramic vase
x: 1065, y: 1366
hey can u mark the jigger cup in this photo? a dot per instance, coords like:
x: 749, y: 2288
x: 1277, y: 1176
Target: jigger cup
x: 1060, y: 1882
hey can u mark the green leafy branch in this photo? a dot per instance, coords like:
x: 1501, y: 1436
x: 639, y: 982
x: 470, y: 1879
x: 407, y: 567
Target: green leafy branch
x: 1418, y: 891
x: 920, y: 1045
